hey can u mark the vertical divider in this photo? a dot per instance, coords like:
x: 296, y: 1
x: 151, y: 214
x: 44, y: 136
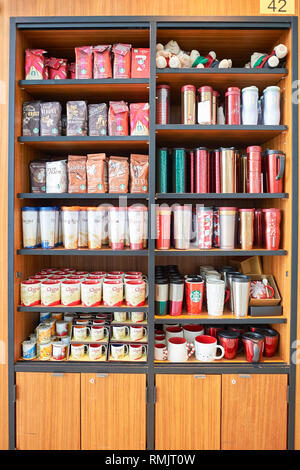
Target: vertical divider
x: 151, y: 240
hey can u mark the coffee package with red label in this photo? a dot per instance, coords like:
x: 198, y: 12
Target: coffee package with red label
x: 96, y: 169
x: 31, y: 118
x: 140, y: 63
x: 97, y: 119
x: 34, y: 64
x: 57, y: 68
x: 139, y: 119
x: 118, y: 174
x: 84, y: 62
x: 139, y: 173
x: 77, y: 173
x: 122, y: 60
x: 118, y: 118
x: 71, y: 70
x: 102, y: 61
x: 76, y: 118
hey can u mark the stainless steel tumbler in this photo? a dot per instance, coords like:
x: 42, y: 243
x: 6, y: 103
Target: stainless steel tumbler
x: 240, y: 290
x: 228, y: 169
x: 227, y: 227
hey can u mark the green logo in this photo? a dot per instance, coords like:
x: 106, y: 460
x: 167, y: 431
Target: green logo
x: 195, y: 296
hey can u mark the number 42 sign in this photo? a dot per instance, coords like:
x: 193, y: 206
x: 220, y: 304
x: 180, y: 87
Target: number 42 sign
x: 277, y: 7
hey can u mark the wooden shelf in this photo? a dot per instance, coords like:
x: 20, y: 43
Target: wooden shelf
x: 80, y: 196
x: 220, y: 79
x: 189, y: 136
x: 86, y: 144
x: 227, y: 319
x: 132, y: 89
x: 219, y: 252
x: 239, y: 359
x: 81, y: 252
x: 222, y: 196
x: 81, y: 309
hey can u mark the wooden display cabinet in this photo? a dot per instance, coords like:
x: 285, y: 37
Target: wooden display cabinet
x: 241, y: 38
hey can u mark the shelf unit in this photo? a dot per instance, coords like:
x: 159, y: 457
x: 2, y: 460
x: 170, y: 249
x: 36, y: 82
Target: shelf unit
x: 223, y: 34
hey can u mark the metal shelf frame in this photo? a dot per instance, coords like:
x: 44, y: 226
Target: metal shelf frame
x: 152, y: 23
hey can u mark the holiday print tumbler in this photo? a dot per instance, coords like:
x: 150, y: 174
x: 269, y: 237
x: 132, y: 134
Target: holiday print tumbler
x: 194, y: 295
x: 163, y: 227
x: 272, y: 218
x: 205, y: 227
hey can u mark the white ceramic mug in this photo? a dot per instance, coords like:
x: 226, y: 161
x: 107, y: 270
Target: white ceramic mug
x: 173, y: 331
x: 215, y: 292
x: 81, y: 332
x: 118, y: 351
x: 98, y: 332
x: 137, y: 332
x: 96, y: 351
x: 120, y: 332
x: 179, y: 350
x: 160, y: 339
x: 191, y: 331
x: 136, y: 351
x: 206, y: 348
x: 166, y: 325
x: 160, y: 352
x: 61, y: 328
x: 78, y: 350
x: 120, y: 316
x: 137, y: 317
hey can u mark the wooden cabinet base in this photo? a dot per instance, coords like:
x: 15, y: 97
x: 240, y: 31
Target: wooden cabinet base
x: 47, y: 411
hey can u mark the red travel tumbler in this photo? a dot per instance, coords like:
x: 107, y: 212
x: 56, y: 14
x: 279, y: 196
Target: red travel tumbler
x: 201, y: 170
x: 272, y: 218
x: 275, y: 169
x: 194, y: 295
x: 254, y: 169
x: 233, y: 106
x: 163, y: 227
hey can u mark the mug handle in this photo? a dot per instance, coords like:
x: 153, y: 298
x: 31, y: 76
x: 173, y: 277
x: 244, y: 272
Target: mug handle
x: 126, y: 349
x: 89, y: 332
x: 144, y: 350
x: 271, y: 289
x: 104, y: 349
x: 227, y: 292
x: 191, y: 347
x: 281, y: 167
x: 86, y: 347
x: 127, y: 330
x: 222, y: 352
x: 144, y: 331
x: 146, y: 288
x: 105, y: 332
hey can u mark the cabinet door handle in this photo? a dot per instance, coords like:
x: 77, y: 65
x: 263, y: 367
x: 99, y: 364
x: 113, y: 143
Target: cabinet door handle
x: 244, y: 376
x: 57, y: 374
x: 200, y: 376
x: 102, y: 376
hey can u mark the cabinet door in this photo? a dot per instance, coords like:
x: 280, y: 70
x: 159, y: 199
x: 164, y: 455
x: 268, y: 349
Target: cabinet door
x: 47, y: 411
x: 254, y: 412
x: 113, y: 411
x: 187, y: 412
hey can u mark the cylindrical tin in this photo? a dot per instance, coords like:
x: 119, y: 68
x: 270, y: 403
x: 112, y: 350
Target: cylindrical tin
x: 205, y: 227
x: 163, y: 227
x: 176, y: 290
x: 188, y: 104
x: 205, y: 105
x: 246, y: 228
x: 178, y: 170
x: 227, y: 227
x: 163, y: 104
x: 233, y: 104
x: 228, y: 170
x: 161, y: 296
x: 201, y: 170
x: 162, y: 170
x: 254, y: 169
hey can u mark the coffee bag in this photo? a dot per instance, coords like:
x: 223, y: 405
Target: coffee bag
x: 50, y: 119
x: 31, y: 118
x: 96, y: 169
x: 76, y: 118
x: 97, y: 119
x: 118, y: 174
x: 56, y: 176
x: 139, y: 173
x: 77, y: 173
x: 118, y: 118
x: 84, y: 62
x: 37, y: 171
x: 102, y: 61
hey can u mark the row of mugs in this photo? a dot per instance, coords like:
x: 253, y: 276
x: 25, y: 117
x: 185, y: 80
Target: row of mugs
x: 120, y: 317
x: 179, y: 350
x: 118, y: 351
x: 99, y: 332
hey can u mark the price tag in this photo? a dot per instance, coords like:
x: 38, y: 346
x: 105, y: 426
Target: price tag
x: 277, y: 7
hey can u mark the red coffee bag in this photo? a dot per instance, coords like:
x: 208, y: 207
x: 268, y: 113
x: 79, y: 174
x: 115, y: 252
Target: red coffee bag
x: 84, y: 62
x: 102, y: 62
x: 57, y: 68
x: 71, y: 70
x: 34, y: 64
x: 140, y: 63
x: 118, y: 118
x: 122, y: 60
x: 139, y: 119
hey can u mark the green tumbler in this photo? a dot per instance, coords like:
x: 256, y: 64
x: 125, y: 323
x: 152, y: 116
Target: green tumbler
x: 162, y: 171
x: 178, y: 170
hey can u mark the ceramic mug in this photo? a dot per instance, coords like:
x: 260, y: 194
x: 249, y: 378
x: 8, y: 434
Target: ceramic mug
x: 98, y: 332
x: 120, y: 316
x: 160, y: 352
x: 206, y: 348
x: 160, y: 339
x: 215, y: 293
x: 179, y: 350
x: 81, y: 332
x: 78, y: 350
x: 137, y: 332
x: 120, y: 332
x: 191, y: 331
x: 59, y: 351
x: 259, y: 290
x: 137, y: 317
x: 96, y: 351
x: 118, y: 351
x: 136, y: 352
x: 61, y: 328
x: 173, y: 331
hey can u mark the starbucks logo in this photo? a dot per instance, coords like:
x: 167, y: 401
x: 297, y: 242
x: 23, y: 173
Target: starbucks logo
x: 195, y: 296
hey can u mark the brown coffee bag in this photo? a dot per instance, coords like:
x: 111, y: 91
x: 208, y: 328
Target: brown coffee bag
x: 139, y: 173
x: 97, y: 119
x: 50, y: 119
x: 31, y: 118
x: 96, y: 169
x: 118, y: 174
x: 76, y: 118
x: 37, y: 176
x: 77, y: 173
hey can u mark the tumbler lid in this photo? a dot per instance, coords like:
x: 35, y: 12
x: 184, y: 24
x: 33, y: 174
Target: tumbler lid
x: 228, y: 334
x: 273, y: 87
x: 205, y: 88
x: 252, y: 336
x: 272, y: 152
x: 25, y: 209
x: 233, y: 91
x: 176, y: 280
x: 205, y: 208
x: 246, y: 210
x: 201, y: 148
x: 272, y: 209
x: 242, y: 278
x: 162, y: 280
x: 254, y: 148
x: 250, y: 88
x: 226, y: 148
x: 188, y: 88
x: 163, y: 86
x: 267, y: 332
x: 228, y: 208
